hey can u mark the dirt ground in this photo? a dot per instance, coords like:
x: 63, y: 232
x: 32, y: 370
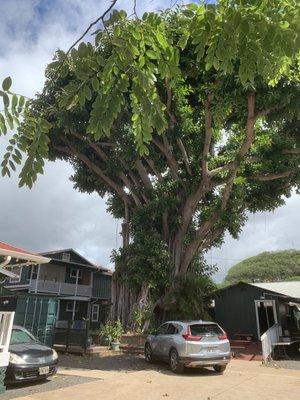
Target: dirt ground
x: 127, y: 377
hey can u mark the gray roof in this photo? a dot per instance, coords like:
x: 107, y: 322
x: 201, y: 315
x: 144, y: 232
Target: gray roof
x: 290, y: 289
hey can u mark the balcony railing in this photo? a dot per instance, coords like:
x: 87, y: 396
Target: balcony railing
x: 60, y: 288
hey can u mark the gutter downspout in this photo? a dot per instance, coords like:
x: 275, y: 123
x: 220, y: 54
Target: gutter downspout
x: 6, y: 273
x: 5, y: 262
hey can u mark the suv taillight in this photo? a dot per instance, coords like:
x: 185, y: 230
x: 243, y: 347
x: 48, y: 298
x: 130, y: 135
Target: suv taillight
x: 223, y: 337
x: 190, y: 337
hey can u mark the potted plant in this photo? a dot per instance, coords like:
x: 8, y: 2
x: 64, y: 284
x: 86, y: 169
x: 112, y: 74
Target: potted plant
x: 112, y: 332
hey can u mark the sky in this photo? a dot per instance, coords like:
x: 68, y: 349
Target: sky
x: 53, y: 215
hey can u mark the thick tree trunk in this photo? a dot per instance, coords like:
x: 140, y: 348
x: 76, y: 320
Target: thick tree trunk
x: 126, y: 300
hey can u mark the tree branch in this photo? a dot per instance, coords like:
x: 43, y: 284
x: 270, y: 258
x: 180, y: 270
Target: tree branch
x: 208, y: 134
x: 291, y: 151
x: 101, y: 18
x: 275, y: 175
x: 154, y: 169
x: 143, y: 174
x: 104, y: 157
x: 184, y: 156
x: 71, y: 150
x: 165, y: 149
x: 169, y: 101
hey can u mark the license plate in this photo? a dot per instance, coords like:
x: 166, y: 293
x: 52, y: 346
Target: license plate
x: 43, y: 370
x: 211, y: 350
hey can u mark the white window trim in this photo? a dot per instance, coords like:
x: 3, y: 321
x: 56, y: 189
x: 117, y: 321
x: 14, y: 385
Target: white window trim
x: 16, y: 280
x: 71, y: 310
x: 34, y: 267
x: 97, y: 307
x: 78, y: 273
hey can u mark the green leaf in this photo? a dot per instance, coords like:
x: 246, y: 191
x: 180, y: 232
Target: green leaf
x: 151, y: 54
x: 6, y: 100
x: 161, y: 40
x: 87, y: 92
x: 18, y: 154
x: 12, y: 165
x: 183, y: 40
x: 82, y: 50
x: 14, y: 101
x: 21, y: 102
x: 6, y: 84
x: 95, y: 84
x: 81, y: 97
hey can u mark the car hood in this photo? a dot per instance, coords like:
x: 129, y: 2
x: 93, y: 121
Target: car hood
x: 30, y: 350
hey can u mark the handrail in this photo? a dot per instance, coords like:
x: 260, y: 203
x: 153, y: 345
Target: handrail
x: 268, y: 339
x: 61, y: 288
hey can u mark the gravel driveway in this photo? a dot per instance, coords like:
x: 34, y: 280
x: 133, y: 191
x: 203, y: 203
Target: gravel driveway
x: 112, y: 376
x: 55, y: 382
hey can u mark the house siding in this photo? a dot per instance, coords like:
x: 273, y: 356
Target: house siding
x: 101, y: 286
x: 235, y: 308
x: 65, y: 315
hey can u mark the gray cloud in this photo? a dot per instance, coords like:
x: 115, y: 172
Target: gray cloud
x: 53, y: 215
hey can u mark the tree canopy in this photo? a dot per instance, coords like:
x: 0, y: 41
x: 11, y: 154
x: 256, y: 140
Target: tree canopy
x: 266, y: 267
x: 185, y: 119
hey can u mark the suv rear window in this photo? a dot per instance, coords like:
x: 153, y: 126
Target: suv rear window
x: 205, y: 329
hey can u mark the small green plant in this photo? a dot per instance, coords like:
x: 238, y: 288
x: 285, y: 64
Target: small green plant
x: 141, y: 316
x: 112, y: 331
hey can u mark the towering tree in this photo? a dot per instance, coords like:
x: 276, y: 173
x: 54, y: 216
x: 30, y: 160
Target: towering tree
x: 184, y: 119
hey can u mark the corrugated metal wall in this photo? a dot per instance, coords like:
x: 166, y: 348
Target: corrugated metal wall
x: 101, y: 286
x: 36, y: 313
x: 235, y: 309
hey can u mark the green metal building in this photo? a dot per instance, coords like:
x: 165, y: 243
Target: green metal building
x: 250, y: 309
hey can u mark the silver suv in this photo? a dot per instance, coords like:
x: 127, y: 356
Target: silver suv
x: 189, y: 344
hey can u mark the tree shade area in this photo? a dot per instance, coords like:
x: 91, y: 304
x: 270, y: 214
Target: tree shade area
x: 266, y: 267
x: 184, y: 119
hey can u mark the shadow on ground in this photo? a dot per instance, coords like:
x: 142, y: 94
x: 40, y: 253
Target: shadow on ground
x: 121, y: 362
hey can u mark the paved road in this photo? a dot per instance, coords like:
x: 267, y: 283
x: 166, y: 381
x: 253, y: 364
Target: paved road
x: 122, y: 377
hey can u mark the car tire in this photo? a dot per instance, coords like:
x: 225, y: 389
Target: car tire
x: 220, y: 368
x: 175, y: 364
x: 148, y: 353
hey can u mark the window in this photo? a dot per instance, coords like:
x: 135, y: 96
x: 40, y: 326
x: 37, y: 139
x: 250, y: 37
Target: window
x: 66, y: 257
x: 173, y: 329
x: 69, y: 306
x: 18, y: 271
x: 20, y: 336
x: 74, y: 272
x: 95, y: 312
x: 162, y: 330
x: 205, y: 329
x: 34, y: 272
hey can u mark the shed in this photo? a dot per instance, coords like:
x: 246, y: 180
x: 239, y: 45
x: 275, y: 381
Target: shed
x: 250, y: 309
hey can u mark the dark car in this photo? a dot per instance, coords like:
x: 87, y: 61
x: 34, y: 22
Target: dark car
x: 30, y: 359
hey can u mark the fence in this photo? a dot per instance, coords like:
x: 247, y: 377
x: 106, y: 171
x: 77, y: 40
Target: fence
x: 268, y: 339
x: 72, y: 335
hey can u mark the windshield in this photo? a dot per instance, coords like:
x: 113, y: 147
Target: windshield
x: 19, y: 336
x: 205, y: 329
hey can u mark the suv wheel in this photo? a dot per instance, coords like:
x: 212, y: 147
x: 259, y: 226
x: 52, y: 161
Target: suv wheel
x: 175, y: 364
x: 219, y: 368
x: 148, y: 353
